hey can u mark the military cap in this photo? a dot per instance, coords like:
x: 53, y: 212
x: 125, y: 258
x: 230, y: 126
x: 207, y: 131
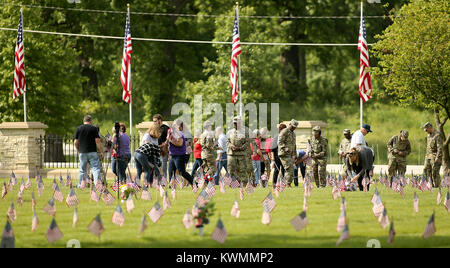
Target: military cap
x: 316, y: 129
x: 346, y: 131
x: 404, y: 133
x: 207, y: 124
x: 236, y: 119
x: 427, y: 125
x: 293, y: 123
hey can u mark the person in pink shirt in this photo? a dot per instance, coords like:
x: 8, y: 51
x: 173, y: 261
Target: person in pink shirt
x: 197, y: 153
x: 257, y: 156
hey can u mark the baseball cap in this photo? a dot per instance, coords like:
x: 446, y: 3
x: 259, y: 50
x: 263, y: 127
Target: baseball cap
x: 367, y: 127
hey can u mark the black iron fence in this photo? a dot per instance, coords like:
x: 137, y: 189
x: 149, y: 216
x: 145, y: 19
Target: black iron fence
x: 60, y: 152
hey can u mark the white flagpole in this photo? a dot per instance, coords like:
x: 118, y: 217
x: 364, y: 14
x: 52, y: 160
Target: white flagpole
x: 131, y: 99
x: 239, y: 60
x: 360, y: 99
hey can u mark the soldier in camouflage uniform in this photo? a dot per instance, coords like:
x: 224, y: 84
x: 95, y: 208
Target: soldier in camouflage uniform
x: 287, y: 150
x: 319, y: 153
x: 399, y: 148
x: 433, y: 157
x: 209, y: 146
x: 344, y: 147
x: 237, y: 144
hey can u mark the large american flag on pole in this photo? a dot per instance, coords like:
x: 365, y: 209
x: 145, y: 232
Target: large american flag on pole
x: 235, y: 52
x: 19, y: 62
x: 365, y: 86
x: 125, y: 76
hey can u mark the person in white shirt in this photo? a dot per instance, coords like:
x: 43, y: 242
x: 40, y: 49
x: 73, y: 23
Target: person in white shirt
x: 221, y: 154
x: 358, y: 137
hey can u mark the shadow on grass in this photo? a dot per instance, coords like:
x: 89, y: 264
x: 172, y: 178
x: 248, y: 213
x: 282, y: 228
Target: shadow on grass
x: 278, y: 241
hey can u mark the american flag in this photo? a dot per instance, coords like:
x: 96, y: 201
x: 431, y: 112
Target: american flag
x: 8, y: 240
x: 100, y: 187
x: 50, y: 207
x: 10, y: 185
x: 174, y: 193
x: 447, y: 202
x: 307, y: 191
x: 439, y: 197
x: 416, y: 203
x: 61, y: 180
x: 343, y: 203
x: 115, y: 186
x: 220, y: 233
x: 269, y: 201
x: 391, y: 233
x: 156, y: 212
x: 210, y: 189
x: 34, y: 222
x: 125, y: 75
x: 249, y: 188
x: 365, y: 183
x: 203, y: 197
x: 188, y: 220
x: 222, y: 186
x: 19, y: 59
x: 375, y: 196
x: 430, y: 229
x: 14, y: 179
x: 194, y: 187
x: 118, y: 218
x: 22, y: 187
x: 163, y: 181
x: 68, y: 180
x: 365, y: 85
x: 235, y: 208
x: 28, y: 184
x: 75, y: 218
x: 235, y: 52
x: 344, y: 236
x: 234, y: 183
x: 130, y: 204
x: 54, y: 184
x: 300, y: 221
x: 143, y: 224
x: 194, y: 210
x: 107, y: 197
x: 342, y: 221
x: 266, y: 218
x: 161, y: 191
x: 12, y: 215
x: 4, y: 190
x: 53, y: 232
x: 94, y: 195
x: 383, y: 219
x: 145, y: 195
x: 72, y: 199
x: 166, y: 201
x: 58, y: 195
x: 96, y: 226
x: 378, y: 207
x: 227, y: 180
x: 241, y: 192
x: 36, y: 178
x: 33, y: 200
x: 19, y: 198
x: 335, y: 193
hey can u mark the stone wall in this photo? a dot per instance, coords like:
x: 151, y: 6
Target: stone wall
x: 19, y: 149
x: 304, y: 131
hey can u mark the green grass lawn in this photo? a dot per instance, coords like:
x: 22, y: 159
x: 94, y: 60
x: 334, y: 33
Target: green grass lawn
x: 245, y: 232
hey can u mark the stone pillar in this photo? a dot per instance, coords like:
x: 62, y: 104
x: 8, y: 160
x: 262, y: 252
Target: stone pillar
x: 19, y: 148
x: 144, y: 126
x: 304, y: 131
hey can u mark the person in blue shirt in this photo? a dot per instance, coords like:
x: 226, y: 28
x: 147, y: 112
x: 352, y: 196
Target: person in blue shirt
x: 300, y: 163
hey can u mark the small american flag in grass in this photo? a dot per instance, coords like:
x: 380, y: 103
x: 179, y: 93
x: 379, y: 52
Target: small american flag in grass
x: 53, y: 232
x: 266, y: 218
x: 234, y: 183
x: 342, y: 221
x: 378, y: 208
x: 34, y: 222
x: 220, y: 233
x: 300, y: 221
x: 75, y: 218
x: 188, y: 220
x: 166, y: 201
x: 269, y: 201
x: 344, y: 236
x: 72, y: 199
x: 8, y: 240
x: 447, y: 202
x: 143, y: 224
x: 416, y: 203
x: 107, y: 197
x: 439, y: 197
x: 50, y: 208
x: 203, y: 197
x: 249, y: 188
x: 4, y: 190
x: 156, y: 212
x: 235, y: 208
x: 130, y: 204
x: 118, y: 218
x: 430, y: 228
x: 335, y: 193
x: 391, y: 233
x: 96, y: 226
x: 40, y: 186
x: 383, y: 219
x: 94, y: 195
x: 28, y: 184
x: 210, y: 189
x: 145, y: 195
x: 12, y: 215
x: 58, y: 195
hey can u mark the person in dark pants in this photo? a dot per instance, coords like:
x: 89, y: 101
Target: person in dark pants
x: 122, y: 155
x: 177, y: 150
x: 197, y: 153
x: 300, y: 163
x: 360, y: 162
x: 276, y: 161
x: 162, y: 141
x: 147, y: 159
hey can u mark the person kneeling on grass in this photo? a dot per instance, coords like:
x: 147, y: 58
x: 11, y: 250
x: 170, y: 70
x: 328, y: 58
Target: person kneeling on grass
x: 360, y: 162
x: 147, y: 158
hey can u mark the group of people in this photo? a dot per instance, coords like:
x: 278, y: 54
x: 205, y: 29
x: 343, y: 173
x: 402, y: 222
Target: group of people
x: 245, y: 155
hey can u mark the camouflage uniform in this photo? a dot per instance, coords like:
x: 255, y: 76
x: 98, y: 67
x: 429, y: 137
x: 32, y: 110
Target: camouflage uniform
x: 287, y: 150
x: 208, y: 144
x: 319, y: 153
x: 434, y: 153
x: 237, y: 156
x: 397, y: 162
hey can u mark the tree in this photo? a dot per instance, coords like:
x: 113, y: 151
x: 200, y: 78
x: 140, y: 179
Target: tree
x: 414, y: 55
